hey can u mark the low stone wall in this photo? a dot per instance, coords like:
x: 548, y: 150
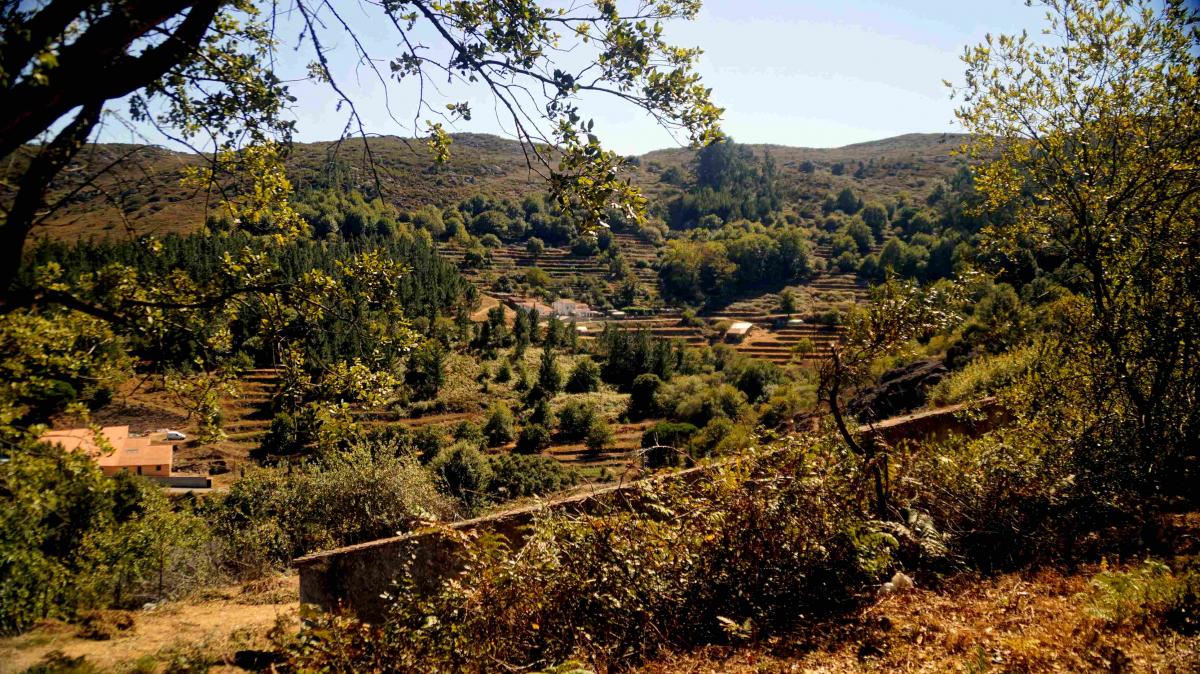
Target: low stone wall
x: 356, y: 577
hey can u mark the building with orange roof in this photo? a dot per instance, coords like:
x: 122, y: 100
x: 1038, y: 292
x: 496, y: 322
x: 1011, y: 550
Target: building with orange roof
x: 119, y: 452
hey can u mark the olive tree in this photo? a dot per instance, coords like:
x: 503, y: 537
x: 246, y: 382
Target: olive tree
x: 1089, y: 135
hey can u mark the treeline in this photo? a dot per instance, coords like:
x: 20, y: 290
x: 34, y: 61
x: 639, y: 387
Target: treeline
x: 727, y: 183
x: 425, y: 287
x: 738, y: 258
x: 924, y: 240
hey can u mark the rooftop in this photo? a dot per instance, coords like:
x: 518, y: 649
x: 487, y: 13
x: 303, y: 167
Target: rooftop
x: 123, y: 451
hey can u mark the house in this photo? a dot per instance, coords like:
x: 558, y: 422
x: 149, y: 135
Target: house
x: 133, y: 454
x: 566, y: 308
x: 738, y: 331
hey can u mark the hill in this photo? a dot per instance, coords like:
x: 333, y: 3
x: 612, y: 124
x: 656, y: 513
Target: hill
x: 120, y: 189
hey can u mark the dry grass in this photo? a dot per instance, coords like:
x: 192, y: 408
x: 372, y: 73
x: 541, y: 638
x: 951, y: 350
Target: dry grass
x: 1020, y: 622
x: 225, y: 628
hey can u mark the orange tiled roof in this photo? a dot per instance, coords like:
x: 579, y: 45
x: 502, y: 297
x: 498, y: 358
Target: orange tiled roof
x: 126, y: 451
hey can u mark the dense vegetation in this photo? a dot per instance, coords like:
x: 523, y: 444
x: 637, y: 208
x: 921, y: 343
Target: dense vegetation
x: 1053, y: 281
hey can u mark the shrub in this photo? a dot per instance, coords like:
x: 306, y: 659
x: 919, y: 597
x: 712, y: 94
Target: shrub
x: 705, y: 442
x: 270, y: 516
x: 1148, y: 597
x: 503, y: 373
x: 533, y: 439
x: 599, y: 435
x: 465, y: 431
x: 288, y: 435
x: 667, y: 444
x: 73, y: 539
x: 584, y: 377
x: 575, y: 420
x: 755, y: 376
x: 465, y: 473
x: 500, y: 427
x: 983, y: 376
x: 516, y: 475
x: 759, y: 544
x: 696, y: 400
x: 642, y: 397
x: 549, y: 377
x: 427, y: 441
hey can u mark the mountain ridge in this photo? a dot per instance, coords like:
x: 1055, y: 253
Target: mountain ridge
x: 143, y: 193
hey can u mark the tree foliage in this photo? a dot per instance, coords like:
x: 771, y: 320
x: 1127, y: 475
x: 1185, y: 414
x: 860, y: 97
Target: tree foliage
x: 1090, y: 137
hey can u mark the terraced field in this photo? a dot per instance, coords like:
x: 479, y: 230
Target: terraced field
x: 560, y: 265
x: 248, y: 418
x: 616, y: 460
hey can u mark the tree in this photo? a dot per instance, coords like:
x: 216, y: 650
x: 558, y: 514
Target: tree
x: 1090, y: 138
x: 426, y: 369
x: 876, y: 217
x: 465, y: 473
x: 575, y: 419
x: 533, y: 439
x: 898, y: 313
x: 642, y: 392
x: 787, y: 302
x: 584, y: 377
x: 203, y: 70
x: 535, y: 247
x: 599, y: 435
x: 848, y: 202
x: 500, y: 427
x: 549, y: 377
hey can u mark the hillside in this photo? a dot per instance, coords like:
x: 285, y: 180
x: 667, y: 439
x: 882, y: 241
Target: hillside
x: 141, y: 190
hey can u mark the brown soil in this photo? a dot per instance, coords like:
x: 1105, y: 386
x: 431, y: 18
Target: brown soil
x: 226, y: 628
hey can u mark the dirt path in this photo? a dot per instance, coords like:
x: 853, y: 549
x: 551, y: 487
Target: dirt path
x: 228, y: 629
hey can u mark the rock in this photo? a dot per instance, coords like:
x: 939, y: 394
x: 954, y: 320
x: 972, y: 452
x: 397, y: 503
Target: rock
x: 900, y: 390
x: 898, y: 584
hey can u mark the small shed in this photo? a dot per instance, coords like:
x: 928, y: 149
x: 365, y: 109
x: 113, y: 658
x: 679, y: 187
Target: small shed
x: 738, y: 331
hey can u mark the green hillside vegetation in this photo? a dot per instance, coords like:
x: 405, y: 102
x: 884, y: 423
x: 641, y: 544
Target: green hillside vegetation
x: 355, y: 355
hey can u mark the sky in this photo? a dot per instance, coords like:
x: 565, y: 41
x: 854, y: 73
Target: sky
x: 813, y: 73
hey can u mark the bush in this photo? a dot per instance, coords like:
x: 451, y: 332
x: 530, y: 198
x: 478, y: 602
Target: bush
x: 731, y: 547
x: 584, y: 377
x: 516, y: 475
x: 1148, y: 597
x: 465, y: 431
x: 705, y: 442
x: 533, y: 439
x: 500, y: 427
x: 696, y: 400
x: 575, y: 420
x: 428, y: 441
x: 270, y: 516
x: 599, y: 435
x: 642, y: 397
x: 465, y: 473
x: 72, y: 539
x: 667, y: 442
x: 288, y: 435
x: 755, y: 377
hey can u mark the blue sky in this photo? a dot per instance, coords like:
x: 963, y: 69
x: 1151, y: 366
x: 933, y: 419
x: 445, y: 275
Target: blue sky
x: 817, y: 73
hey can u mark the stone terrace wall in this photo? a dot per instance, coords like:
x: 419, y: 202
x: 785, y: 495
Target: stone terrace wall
x: 356, y: 577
